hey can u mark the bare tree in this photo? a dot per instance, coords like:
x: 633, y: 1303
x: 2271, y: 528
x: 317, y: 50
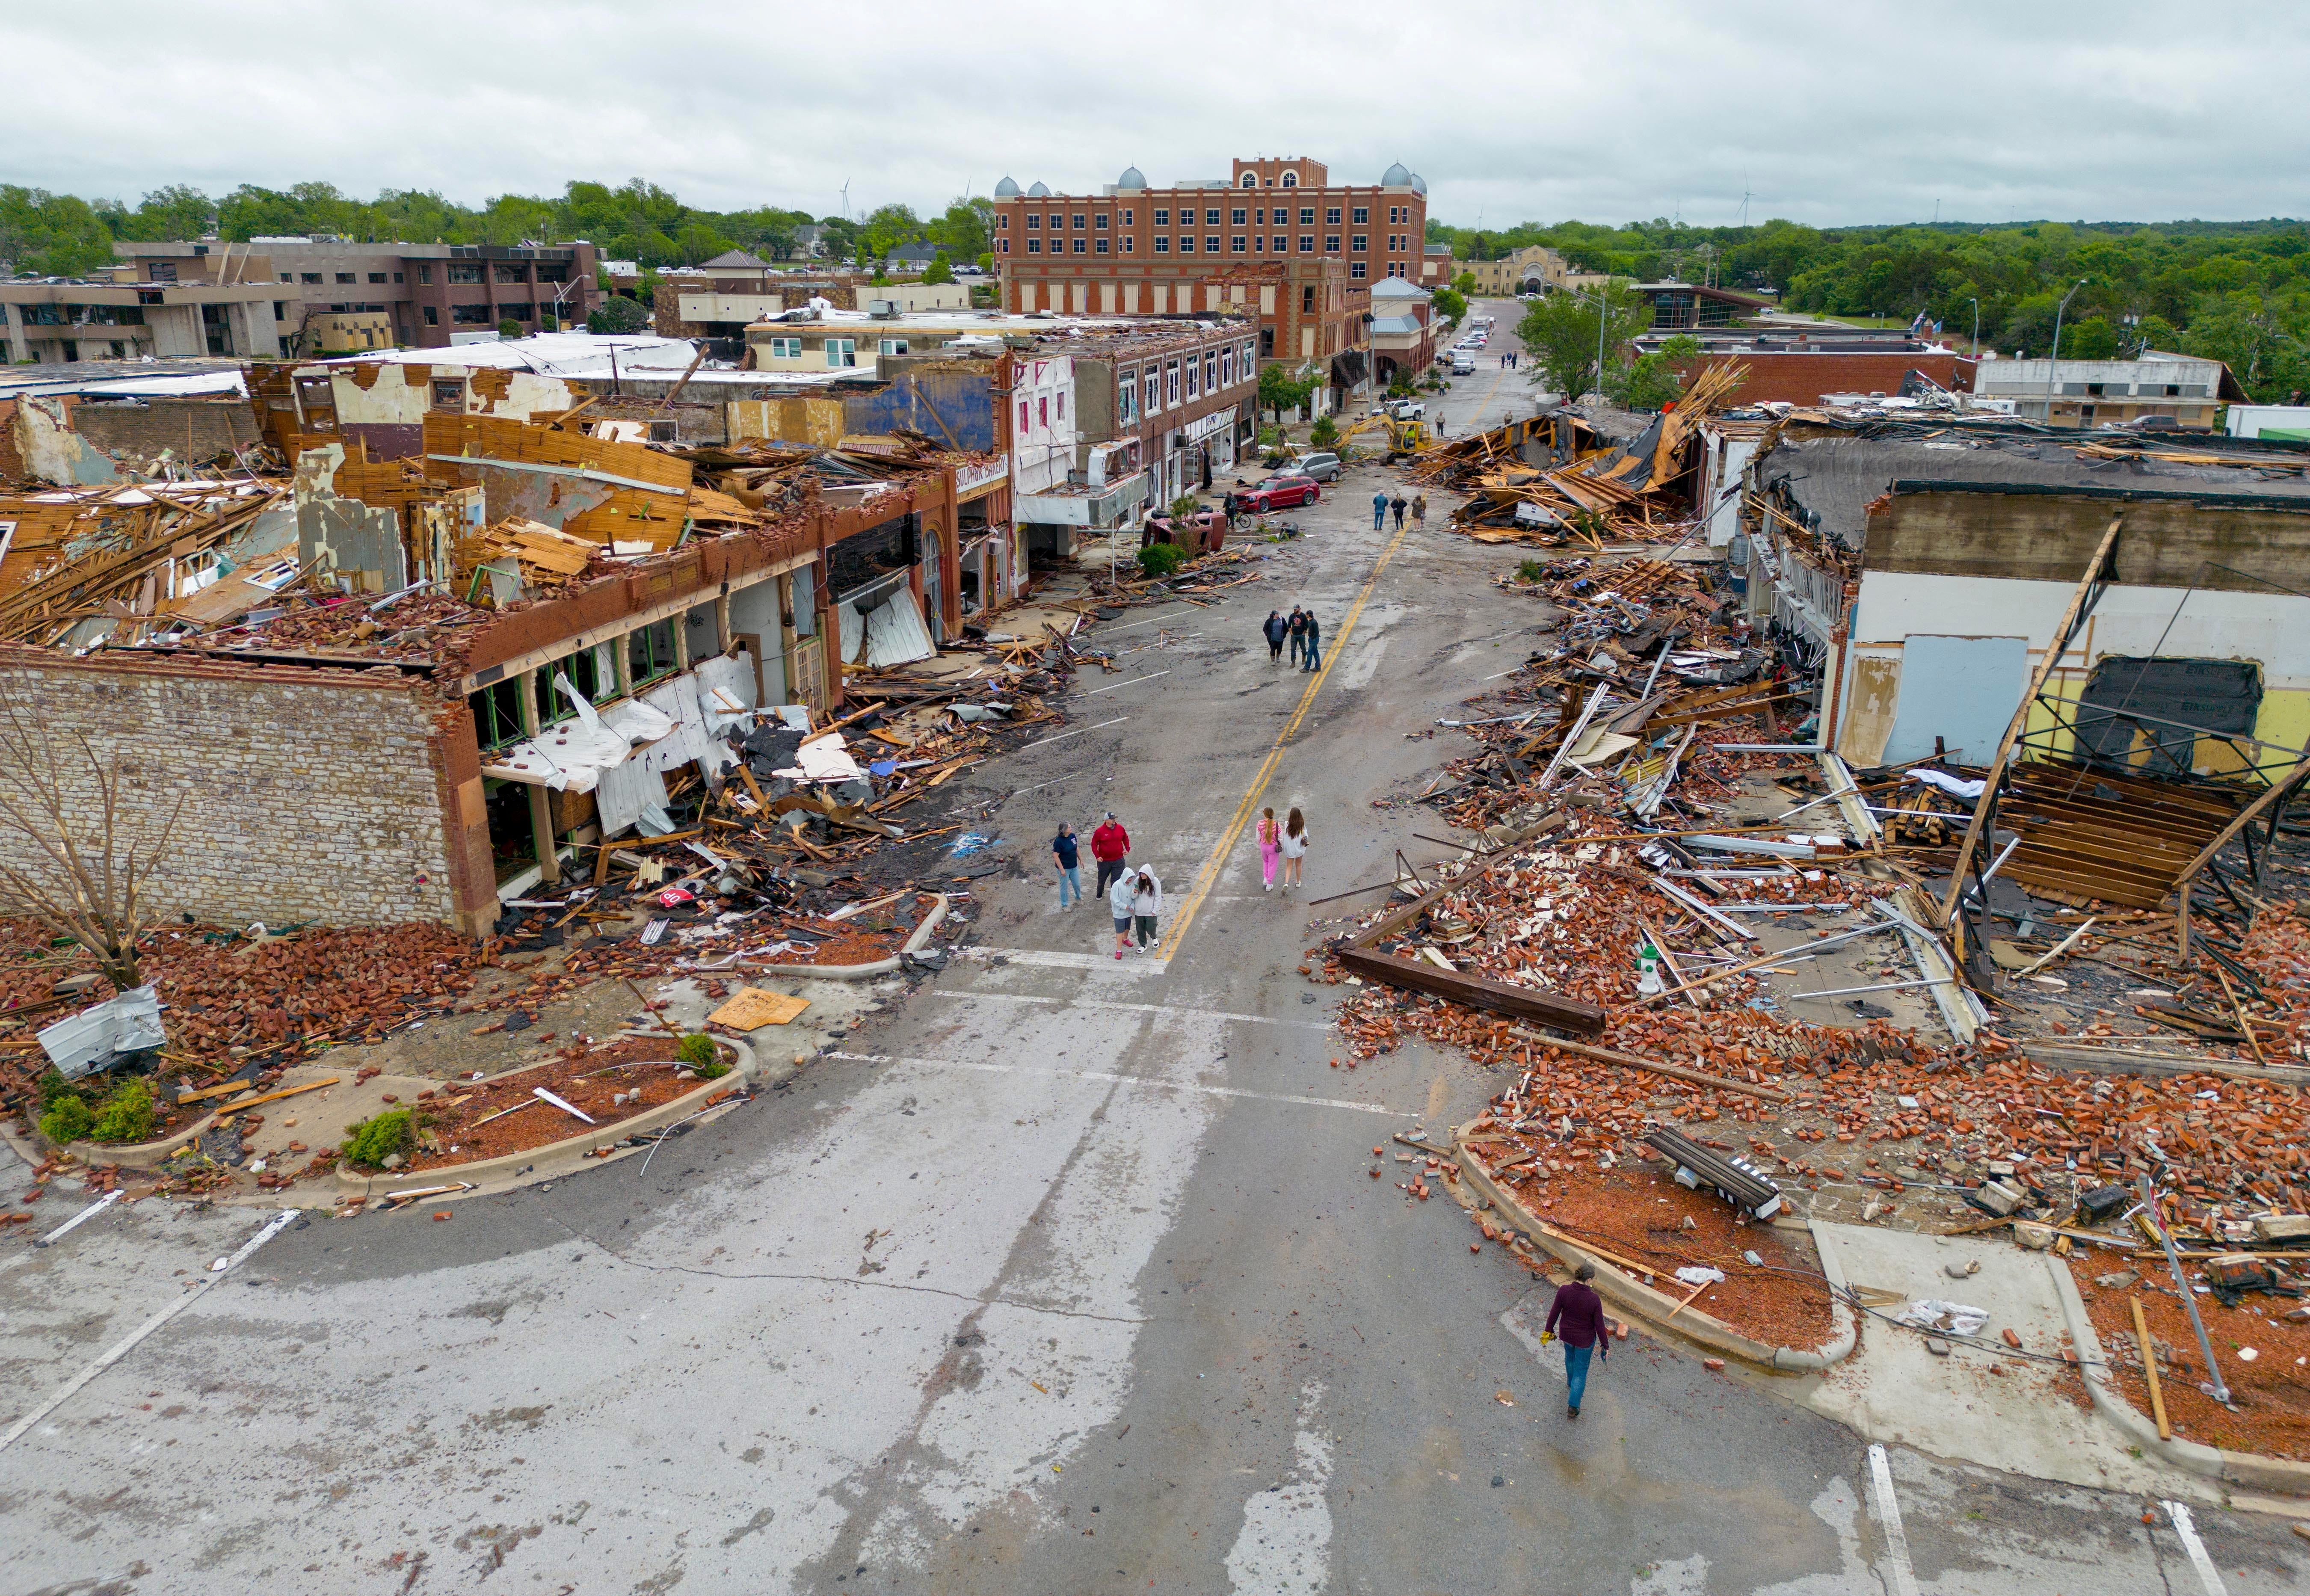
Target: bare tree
x: 79, y: 855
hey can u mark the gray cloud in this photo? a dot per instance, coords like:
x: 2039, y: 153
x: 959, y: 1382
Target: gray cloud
x: 1826, y: 112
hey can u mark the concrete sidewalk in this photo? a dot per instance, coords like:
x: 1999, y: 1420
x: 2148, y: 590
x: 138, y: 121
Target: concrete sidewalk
x: 2031, y: 1418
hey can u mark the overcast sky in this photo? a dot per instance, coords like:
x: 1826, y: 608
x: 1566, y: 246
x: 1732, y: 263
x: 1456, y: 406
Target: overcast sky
x: 1824, y: 112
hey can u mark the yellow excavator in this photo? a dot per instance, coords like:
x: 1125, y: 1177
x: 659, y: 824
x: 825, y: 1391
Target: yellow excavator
x: 1406, y: 437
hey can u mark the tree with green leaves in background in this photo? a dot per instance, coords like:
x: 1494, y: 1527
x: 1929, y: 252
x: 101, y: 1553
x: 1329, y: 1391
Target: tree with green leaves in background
x: 1652, y: 381
x: 939, y: 271
x: 1448, y: 304
x: 1280, y: 389
x: 1561, y: 331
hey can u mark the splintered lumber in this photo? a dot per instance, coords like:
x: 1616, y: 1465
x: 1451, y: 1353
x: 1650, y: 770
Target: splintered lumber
x: 1498, y: 997
x: 1607, y: 1055
x: 2149, y: 1367
x: 238, y: 1104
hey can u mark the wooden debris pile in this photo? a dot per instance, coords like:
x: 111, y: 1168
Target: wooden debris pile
x: 1553, y: 481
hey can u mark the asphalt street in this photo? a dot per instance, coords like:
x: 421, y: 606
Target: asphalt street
x: 1061, y: 1274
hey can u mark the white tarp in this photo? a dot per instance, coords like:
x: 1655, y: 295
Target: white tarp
x: 725, y: 691
x: 1955, y: 786
x: 826, y: 758
x: 853, y: 633
x: 97, y: 1038
x: 895, y: 632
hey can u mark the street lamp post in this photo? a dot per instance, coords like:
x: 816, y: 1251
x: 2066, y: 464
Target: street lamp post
x: 2052, y: 360
x: 1600, y: 338
x: 1977, y: 327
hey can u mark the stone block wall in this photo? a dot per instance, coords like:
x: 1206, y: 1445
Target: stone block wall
x: 309, y: 793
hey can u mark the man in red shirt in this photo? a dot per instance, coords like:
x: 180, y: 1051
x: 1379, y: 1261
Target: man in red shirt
x: 1577, y: 1316
x: 1109, y: 845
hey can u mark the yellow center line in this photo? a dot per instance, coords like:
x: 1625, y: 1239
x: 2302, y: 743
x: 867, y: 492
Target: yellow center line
x: 1208, y: 876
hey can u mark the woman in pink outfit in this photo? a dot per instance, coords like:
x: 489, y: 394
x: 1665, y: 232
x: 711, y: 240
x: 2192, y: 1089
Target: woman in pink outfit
x: 1271, y: 847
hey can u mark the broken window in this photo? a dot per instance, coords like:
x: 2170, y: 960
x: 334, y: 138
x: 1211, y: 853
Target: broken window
x: 649, y: 654
x: 162, y: 271
x: 517, y: 310
x: 424, y: 272
x: 472, y: 315
x: 2149, y: 714
x: 497, y: 714
x: 511, y: 271
x: 465, y: 271
x: 432, y: 316
x: 308, y: 276
x: 449, y: 393
x: 842, y: 351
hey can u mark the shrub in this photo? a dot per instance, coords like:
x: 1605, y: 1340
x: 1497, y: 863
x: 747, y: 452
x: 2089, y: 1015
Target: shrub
x: 1185, y: 505
x: 1160, y: 559
x: 374, y: 1140
x: 509, y: 328
x: 1529, y: 570
x: 68, y: 1120
x: 55, y: 1088
x: 1324, y: 434
x: 127, y: 1116
x: 700, y: 1052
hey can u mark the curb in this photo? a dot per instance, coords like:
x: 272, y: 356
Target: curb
x: 570, y: 1151
x: 866, y: 972
x: 2214, y: 1462
x: 1624, y: 1290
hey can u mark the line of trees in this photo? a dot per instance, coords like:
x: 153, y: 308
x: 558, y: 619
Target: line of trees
x: 2235, y: 291
x: 47, y: 234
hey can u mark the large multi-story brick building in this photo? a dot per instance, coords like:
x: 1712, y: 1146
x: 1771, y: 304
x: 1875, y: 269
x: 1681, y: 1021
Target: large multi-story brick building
x: 1277, y: 235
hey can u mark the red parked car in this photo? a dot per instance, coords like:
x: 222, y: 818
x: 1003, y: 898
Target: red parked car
x: 1279, y: 492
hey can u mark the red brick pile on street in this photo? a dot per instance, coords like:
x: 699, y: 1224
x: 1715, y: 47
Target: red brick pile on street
x: 1571, y: 889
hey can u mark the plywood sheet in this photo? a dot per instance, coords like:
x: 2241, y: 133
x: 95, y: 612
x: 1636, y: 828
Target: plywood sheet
x: 753, y: 1008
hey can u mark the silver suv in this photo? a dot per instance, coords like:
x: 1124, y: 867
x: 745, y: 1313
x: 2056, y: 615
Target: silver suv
x: 1323, y: 467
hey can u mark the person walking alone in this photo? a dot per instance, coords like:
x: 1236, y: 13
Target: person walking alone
x: 1577, y: 1316
x: 1275, y: 630
x: 1315, y: 641
x: 1110, y: 845
x: 1271, y: 847
x: 1146, y: 907
x: 1064, y: 854
x: 1293, y: 846
x: 1119, y: 901
x: 1298, y: 629
x: 1379, y: 510
x: 1419, y: 511
x: 1398, y: 505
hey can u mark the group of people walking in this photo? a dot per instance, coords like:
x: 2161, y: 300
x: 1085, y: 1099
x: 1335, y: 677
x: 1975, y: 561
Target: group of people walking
x: 1135, y: 893
x: 1301, y: 630
x: 1508, y: 360
x: 1382, y: 504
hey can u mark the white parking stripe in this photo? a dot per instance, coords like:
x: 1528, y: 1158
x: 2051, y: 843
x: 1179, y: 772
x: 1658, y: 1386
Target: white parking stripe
x: 1110, y: 1076
x: 1901, y: 1579
x: 1135, y: 964
x: 121, y: 1349
x: 1168, y: 1010
x: 1078, y: 731
x: 1150, y: 676
x: 2208, y: 1576
x: 82, y: 1218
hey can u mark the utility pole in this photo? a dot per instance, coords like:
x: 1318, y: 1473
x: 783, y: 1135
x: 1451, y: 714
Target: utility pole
x: 1977, y: 327
x: 2054, y: 358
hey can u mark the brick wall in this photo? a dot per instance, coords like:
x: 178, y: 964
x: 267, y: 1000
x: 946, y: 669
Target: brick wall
x: 310, y: 794
x: 197, y: 430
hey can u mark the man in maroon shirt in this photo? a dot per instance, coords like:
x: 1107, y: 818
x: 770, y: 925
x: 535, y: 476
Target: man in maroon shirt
x: 1109, y: 845
x: 1577, y: 1317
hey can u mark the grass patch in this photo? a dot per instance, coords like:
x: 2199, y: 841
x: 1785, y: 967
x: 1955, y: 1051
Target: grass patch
x: 369, y: 1143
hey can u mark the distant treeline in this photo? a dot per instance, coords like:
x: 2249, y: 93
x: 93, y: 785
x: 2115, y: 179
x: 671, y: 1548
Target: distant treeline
x: 61, y: 235
x: 2236, y: 291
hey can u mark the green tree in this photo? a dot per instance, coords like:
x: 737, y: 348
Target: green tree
x: 885, y: 228
x: 618, y: 314
x: 1562, y: 332
x: 939, y: 270
x: 1280, y: 390
x: 1324, y: 433
x: 176, y: 212
x: 2092, y: 339
x: 1448, y: 304
x: 966, y: 229
x: 1464, y: 284
x: 50, y: 235
x: 1652, y: 380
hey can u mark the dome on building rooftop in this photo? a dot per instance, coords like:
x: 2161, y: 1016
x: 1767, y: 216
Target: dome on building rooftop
x: 1419, y: 184
x: 1396, y: 176
x: 1132, y: 178
x: 1041, y: 190
x: 1006, y: 190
